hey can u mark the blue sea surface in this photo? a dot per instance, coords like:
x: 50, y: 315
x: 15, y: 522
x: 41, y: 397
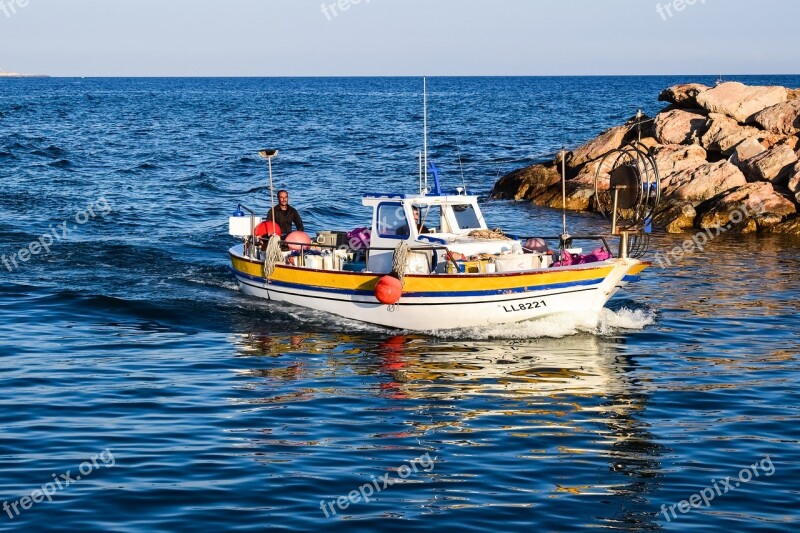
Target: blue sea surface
x: 141, y: 391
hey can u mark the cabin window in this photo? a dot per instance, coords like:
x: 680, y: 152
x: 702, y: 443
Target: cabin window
x: 392, y: 221
x: 430, y: 218
x: 466, y: 217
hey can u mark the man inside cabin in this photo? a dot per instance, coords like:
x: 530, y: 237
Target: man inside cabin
x: 285, y: 215
x: 403, y: 230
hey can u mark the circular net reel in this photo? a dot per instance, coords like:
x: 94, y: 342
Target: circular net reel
x: 630, y: 195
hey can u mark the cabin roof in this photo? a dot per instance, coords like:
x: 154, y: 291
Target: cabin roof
x: 377, y: 198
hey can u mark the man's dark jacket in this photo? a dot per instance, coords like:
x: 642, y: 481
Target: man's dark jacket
x: 285, y: 219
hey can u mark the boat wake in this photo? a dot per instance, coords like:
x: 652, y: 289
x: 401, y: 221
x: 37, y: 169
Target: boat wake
x: 609, y: 322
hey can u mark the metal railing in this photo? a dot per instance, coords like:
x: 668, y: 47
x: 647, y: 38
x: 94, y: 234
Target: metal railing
x: 304, y: 248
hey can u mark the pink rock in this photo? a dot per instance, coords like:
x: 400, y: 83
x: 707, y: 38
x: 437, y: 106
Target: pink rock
x: 794, y: 181
x: 724, y: 134
x: 609, y: 140
x: 745, y: 150
x: 672, y: 158
x: 749, y: 208
x: 782, y: 118
x: 740, y: 101
x: 684, y: 95
x: 774, y: 165
x: 701, y: 183
x: 680, y: 127
x: 526, y: 183
x: 678, y: 218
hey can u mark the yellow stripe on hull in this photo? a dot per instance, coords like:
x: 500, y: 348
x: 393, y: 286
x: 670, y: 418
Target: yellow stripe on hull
x: 431, y: 283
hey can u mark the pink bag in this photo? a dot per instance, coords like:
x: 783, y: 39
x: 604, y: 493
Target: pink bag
x: 358, y: 238
x: 596, y: 256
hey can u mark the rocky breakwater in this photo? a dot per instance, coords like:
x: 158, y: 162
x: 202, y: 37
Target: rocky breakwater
x: 726, y: 155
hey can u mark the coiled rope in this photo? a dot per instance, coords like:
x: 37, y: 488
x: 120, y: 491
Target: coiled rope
x: 496, y: 233
x: 273, y: 255
x: 400, y: 260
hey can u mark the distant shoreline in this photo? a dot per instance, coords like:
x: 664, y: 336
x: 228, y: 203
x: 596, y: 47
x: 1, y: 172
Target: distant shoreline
x: 16, y: 75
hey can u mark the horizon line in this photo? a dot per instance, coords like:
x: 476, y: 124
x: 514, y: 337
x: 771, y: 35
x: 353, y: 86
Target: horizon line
x: 414, y: 76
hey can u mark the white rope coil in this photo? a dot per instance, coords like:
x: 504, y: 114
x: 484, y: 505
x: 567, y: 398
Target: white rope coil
x: 400, y: 260
x: 273, y: 255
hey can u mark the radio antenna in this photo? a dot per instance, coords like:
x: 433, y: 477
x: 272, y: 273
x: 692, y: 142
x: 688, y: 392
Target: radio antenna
x: 425, y: 128
x: 461, y: 165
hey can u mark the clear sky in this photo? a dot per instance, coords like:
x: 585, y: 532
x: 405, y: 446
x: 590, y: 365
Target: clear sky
x: 398, y: 37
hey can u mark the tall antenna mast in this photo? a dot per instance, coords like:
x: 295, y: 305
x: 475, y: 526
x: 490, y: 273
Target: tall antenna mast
x: 425, y: 128
x: 565, y: 237
x: 269, y: 155
x: 461, y: 164
x: 420, y: 172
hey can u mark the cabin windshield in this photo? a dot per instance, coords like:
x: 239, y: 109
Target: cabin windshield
x: 430, y: 218
x: 392, y: 220
x: 466, y: 217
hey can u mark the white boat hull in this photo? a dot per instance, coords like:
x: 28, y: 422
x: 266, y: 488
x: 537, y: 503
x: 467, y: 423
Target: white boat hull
x: 452, y: 310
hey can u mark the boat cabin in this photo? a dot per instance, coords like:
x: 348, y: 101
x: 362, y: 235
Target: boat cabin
x: 428, y: 224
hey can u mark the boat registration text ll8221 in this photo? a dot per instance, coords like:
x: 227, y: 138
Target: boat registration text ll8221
x: 525, y: 306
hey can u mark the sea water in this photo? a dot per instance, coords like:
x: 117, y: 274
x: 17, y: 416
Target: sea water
x: 141, y: 391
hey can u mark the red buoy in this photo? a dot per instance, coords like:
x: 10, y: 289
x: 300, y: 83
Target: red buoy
x: 296, y: 239
x: 268, y: 228
x: 388, y: 290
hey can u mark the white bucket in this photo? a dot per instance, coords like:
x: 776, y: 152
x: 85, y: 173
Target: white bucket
x: 516, y: 263
x: 418, y: 263
x: 314, y: 261
x: 241, y: 226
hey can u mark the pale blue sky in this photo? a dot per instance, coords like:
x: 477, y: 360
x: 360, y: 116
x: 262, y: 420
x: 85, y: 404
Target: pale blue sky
x: 398, y: 37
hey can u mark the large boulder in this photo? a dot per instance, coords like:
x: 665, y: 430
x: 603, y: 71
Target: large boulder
x: 677, y: 218
x: 740, y: 101
x: 701, y: 183
x: 580, y: 195
x: 782, y: 118
x: 724, y: 134
x: 747, y: 149
x: 774, y: 165
x: 593, y: 169
x: 789, y: 227
x: 650, y: 143
x: 749, y: 208
x: 680, y: 127
x: 794, y: 181
x: 672, y: 158
x: 684, y: 95
x: 607, y: 141
x: 526, y: 183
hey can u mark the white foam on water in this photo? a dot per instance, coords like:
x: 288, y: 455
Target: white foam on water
x: 625, y: 319
x: 608, y: 322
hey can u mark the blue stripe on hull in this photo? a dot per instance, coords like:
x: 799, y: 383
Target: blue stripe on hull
x: 377, y: 304
x: 491, y: 292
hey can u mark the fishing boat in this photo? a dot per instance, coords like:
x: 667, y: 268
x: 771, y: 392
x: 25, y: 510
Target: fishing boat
x: 429, y: 261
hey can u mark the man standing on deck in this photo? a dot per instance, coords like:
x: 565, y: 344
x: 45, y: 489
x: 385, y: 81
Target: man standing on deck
x: 285, y: 215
